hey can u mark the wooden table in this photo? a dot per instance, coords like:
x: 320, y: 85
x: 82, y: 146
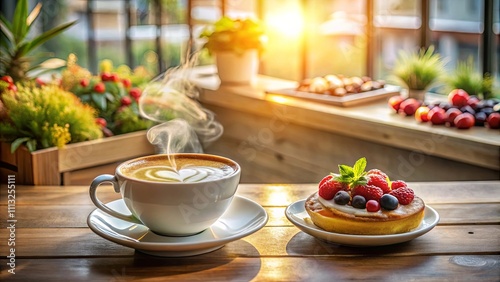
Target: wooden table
x: 54, y: 243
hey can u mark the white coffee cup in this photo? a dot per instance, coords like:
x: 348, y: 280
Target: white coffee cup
x: 173, y: 202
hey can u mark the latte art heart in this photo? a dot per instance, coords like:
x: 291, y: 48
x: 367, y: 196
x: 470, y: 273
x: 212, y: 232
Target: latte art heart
x: 187, y: 174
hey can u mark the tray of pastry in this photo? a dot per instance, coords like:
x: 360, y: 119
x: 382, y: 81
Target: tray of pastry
x: 340, y: 90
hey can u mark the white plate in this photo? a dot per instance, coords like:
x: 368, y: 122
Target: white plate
x: 297, y: 214
x: 243, y: 218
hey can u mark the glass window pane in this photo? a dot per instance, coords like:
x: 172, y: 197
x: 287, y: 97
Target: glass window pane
x: 74, y: 39
x: 336, y: 38
x: 456, y: 28
x: 396, y: 27
x: 496, y: 40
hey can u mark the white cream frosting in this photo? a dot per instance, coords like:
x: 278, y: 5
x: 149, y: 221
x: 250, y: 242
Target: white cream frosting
x: 399, y: 211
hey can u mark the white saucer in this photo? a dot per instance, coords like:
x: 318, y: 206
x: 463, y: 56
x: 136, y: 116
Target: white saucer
x: 243, y: 218
x: 297, y: 214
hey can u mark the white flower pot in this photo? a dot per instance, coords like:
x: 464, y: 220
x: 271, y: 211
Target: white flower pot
x: 236, y: 68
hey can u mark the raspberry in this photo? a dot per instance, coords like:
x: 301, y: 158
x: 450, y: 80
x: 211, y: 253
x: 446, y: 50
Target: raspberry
x: 369, y: 192
x: 378, y: 172
x: 404, y: 195
x: 328, y: 187
x: 379, y: 181
x: 396, y: 184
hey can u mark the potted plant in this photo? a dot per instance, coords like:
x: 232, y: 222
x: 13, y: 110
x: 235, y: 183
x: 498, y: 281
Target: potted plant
x: 17, y: 50
x: 236, y: 44
x: 50, y: 128
x: 418, y: 71
x: 466, y: 77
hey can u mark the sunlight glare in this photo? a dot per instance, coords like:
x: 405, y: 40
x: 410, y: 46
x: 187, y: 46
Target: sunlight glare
x: 288, y: 22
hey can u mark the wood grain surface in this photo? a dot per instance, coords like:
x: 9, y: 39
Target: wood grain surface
x: 54, y: 243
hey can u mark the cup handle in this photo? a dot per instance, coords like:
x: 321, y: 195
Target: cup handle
x: 108, y: 178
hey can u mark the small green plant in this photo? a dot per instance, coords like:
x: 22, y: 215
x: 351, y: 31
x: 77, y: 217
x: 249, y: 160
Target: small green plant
x: 46, y: 116
x: 114, y: 93
x: 467, y: 77
x: 16, y: 48
x: 235, y: 35
x: 418, y: 70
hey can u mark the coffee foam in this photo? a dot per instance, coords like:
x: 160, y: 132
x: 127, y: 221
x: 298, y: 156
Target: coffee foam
x: 188, y: 169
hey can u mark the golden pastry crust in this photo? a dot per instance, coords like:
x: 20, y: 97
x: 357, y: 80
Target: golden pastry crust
x: 360, y: 222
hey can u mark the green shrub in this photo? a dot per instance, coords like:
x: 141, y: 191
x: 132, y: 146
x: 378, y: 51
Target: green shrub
x: 46, y: 116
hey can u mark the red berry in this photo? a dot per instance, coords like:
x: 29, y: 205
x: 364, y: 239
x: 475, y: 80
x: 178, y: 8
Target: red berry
x: 125, y: 101
x: 135, y: 93
x: 84, y: 82
x: 379, y: 181
x: 372, y: 206
x: 106, y: 76
x: 421, y: 114
x: 126, y: 83
x: 102, y: 122
x: 437, y: 116
x: 8, y: 79
x: 12, y: 87
x: 473, y: 101
x: 378, y: 172
x: 369, y: 192
x: 451, y: 114
x: 114, y: 77
x: 458, y: 97
x: 39, y: 81
x: 328, y: 187
x: 326, y: 178
x: 396, y: 184
x: 100, y: 87
x: 404, y: 195
x: 395, y: 102
x: 464, y: 121
x: 493, y: 120
x: 409, y: 106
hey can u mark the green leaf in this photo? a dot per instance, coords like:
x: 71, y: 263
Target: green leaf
x: 5, y: 22
x: 85, y: 98
x: 31, y: 144
x: 19, y: 27
x: 49, y: 34
x: 100, y: 100
x: 110, y: 97
x: 359, y: 167
x: 346, y: 170
x: 18, y: 142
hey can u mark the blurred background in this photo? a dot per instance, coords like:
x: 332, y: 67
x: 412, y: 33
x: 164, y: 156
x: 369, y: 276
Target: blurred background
x: 306, y: 38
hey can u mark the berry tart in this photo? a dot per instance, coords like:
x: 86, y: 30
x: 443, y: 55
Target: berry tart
x: 364, y: 203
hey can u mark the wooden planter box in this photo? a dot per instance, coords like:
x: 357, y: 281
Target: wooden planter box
x: 53, y: 166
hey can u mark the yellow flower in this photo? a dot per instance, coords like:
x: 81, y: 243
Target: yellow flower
x: 106, y: 66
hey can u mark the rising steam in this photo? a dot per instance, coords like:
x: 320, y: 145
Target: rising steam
x: 185, y: 126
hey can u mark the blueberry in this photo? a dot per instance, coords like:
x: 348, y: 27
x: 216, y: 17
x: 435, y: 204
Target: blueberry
x: 342, y: 198
x: 487, y: 110
x: 389, y: 202
x: 358, y: 202
x: 480, y: 118
x: 468, y: 109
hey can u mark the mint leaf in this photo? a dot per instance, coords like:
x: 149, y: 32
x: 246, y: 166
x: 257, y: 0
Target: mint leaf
x: 346, y: 170
x: 359, y: 167
x: 353, y: 175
